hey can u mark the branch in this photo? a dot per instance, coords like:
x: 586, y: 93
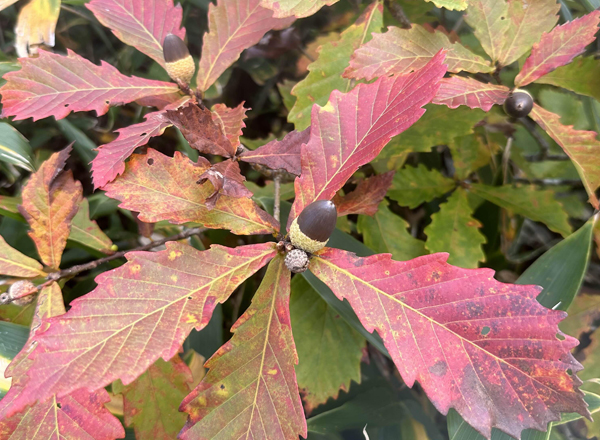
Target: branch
x: 398, y: 13
x: 531, y: 127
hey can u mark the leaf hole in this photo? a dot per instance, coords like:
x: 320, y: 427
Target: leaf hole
x: 58, y: 405
x: 560, y: 337
x: 190, y: 298
x: 485, y: 330
x: 222, y: 386
x: 66, y: 105
x: 570, y: 372
x: 502, y: 18
x: 143, y: 134
x: 150, y: 161
x: 107, y: 102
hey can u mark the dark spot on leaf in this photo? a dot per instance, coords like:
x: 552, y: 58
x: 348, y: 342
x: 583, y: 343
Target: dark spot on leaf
x: 66, y: 105
x: 570, y: 372
x: 150, y: 161
x: 502, y: 18
x: 439, y: 368
x: 222, y: 386
x: 359, y: 262
x: 143, y: 134
x: 58, y: 405
x: 107, y: 102
x: 560, y: 336
x: 190, y: 298
x: 485, y: 330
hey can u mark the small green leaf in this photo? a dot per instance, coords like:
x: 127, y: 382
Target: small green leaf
x: 14, y: 148
x: 580, y: 76
x: 415, y: 185
x: 469, y: 153
x: 86, y: 232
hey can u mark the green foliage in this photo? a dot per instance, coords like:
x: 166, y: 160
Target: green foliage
x: 413, y: 186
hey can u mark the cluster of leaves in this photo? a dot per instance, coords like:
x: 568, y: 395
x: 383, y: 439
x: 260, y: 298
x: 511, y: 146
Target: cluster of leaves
x: 372, y: 105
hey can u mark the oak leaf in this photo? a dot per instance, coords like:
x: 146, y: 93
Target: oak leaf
x: 457, y: 90
x: 227, y: 180
x: 489, y: 23
x: 366, y: 197
x: 13, y: 263
x: 231, y: 121
x: 87, y: 232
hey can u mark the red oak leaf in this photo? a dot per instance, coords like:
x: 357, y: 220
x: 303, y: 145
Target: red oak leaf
x: 143, y: 24
x: 250, y: 390
x: 367, y: 196
x: 139, y: 312
x: 485, y: 348
x: 164, y: 188
x: 559, y: 47
x: 581, y: 146
x: 458, y: 90
x: 352, y: 128
x: 283, y: 154
x: 56, y: 85
x: 227, y: 180
x: 231, y: 121
x: 234, y: 25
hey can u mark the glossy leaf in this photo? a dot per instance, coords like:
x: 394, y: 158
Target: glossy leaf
x: 353, y: 128
x: 366, y: 197
x: 87, y: 232
x: 458, y: 90
x: 537, y: 205
x: 164, y: 188
x: 36, y: 25
x: 250, y: 389
x: 325, y: 73
x: 453, y: 229
x: 413, y: 186
x: 37, y: 92
x: 50, y: 201
x: 579, y: 76
x: 581, y: 146
x: 559, y: 47
x: 233, y: 25
x: 231, y: 121
x: 139, y: 312
x: 13, y: 263
x: 400, y: 51
x: 488, y: 18
x: 14, y: 148
x: 488, y: 349
x: 329, y: 350
x: 142, y: 24
x: 280, y: 155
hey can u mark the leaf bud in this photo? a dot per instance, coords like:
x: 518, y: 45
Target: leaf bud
x: 178, y: 61
x: 313, y: 227
x: 518, y: 104
x: 296, y: 261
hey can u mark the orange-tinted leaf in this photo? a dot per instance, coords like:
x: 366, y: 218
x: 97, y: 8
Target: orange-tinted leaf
x: 13, y: 263
x: 234, y: 25
x: 458, y: 90
x: 143, y: 24
x: 283, y: 154
x: 559, y: 47
x: 353, y: 127
x: 485, y: 348
x: 36, y: 25
x: 50, y: 201
x: 367, y: 196
x: 250, y: 390
x: 164, y: 188
x: 581, y: 146
x: 139, y: 312
x: 231, y: 121
x: 87, y: 232
x: 56, y: 85
x: 299, y: 9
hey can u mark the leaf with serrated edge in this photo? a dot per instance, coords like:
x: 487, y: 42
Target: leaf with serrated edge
x: 155, y: 300
x: 453, y: 229
x: 14, y: 264
x: 36, y: 25
x: 487, y: 349
x: 50, y: 201
x: 488, y: 18
x: 581, y: 146
x: 458, y: 90
x: 469, y: 153
x: 325, y: 73
x: 250, y: 390
x: 400, y: 51
x: 366, y: 197
x: 413, y: 186
x: 56, y: 85
x: 233, y: 25
x: 579, y: 76
x: 538, y: 205
x: 280, y: 155
x: 352, y: 128
x: 559, y: 47
x: 87, y: 232
x: 451, y: 5
x: 291, y: 8
x: 143, y: 24
x: 231, y: 121
x: 164, y: 188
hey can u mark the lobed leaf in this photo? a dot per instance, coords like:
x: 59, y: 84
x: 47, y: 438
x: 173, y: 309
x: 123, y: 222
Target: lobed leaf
x: 143, y: 24
x: 250, y: 390
x: 139, y: 312
x: 227, y: 179
x: 353, y: 128
x: 578, y: 76
x: 55, y: 85
x: 294, y: 8
x: 280, y: 155
x: 559, y: 47
x: 401, y: 51
x: 36, y: 25
x: 366, y: 197
x: 458, y: 90
x: 50, y: 201
x: 488, y: 20
x: 469, y: 153
x: 413, y: 186
x: 231, y: 121
x: 14, y: 264
x: 164, y: 188
x: 487, y: 349
x: 581, y: 146
x: 87, y: 232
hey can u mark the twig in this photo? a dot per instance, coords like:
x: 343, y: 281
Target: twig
x: 549, y: 182
x: 540, y: 157
x: 531, y: 127
x: 277, y: 204
x: 506, y: 158
x: 398, y: 13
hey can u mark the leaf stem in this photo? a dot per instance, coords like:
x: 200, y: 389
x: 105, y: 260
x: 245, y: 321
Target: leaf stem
x: 277, y: 204
x: 531, y: 127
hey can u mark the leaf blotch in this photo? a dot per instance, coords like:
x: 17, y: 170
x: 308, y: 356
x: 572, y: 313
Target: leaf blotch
x: 439, y: 369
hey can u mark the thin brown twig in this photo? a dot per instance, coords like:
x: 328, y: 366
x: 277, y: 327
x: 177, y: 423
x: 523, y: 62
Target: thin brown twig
x: 398, y: 13
x: 277, y: 203
x: 531, y: 127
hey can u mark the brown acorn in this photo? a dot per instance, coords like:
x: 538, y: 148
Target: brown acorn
x: 518, y: 104
x: 313, y: 227
x: 178, y: 61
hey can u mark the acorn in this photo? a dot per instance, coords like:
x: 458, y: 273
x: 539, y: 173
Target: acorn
x: 297, y: 261
x: 518, y: 104
x: 178, y: 61
x: 311, y: 230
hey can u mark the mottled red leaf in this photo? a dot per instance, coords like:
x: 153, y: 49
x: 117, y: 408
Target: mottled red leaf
x: 50, y: 201
x: 485, y: 348
x: 56, y: 85
x: 227, y: 180
x: 143, y: 24
x: 559, y: 47
x: 283, y: 154
x: 352, y: 128
x: 459, y: 90
x: 233, y: 25
x: 13, y: 263
x: 581, y: 146
x: 250, y: 390
x: 164, y: 188
x: 231, y: 121
x: 139, y: 312
x: 367, y: 196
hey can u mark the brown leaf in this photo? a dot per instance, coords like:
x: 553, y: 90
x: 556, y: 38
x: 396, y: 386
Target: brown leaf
x: 283, y: 154
x: 227, y: 180
x: 366, y: 197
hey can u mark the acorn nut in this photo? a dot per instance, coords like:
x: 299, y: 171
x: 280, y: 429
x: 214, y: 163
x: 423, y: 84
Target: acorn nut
x: 518, y: 104
x: 311, y: 230
x: 296, y: 261
x: 178, y: 61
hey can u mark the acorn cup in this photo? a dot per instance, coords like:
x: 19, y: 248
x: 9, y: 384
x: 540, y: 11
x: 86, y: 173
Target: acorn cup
x: 518, y: 104
x: 178, y: 61
x: 311, y: 230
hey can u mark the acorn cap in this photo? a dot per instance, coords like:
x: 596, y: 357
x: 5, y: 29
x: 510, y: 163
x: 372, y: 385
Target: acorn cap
x: 313, y: 227
x: 518, y: 104
x: 174, y: 49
